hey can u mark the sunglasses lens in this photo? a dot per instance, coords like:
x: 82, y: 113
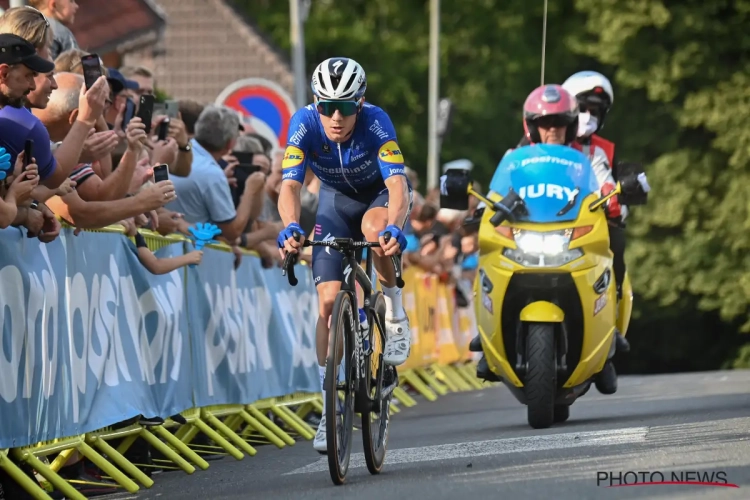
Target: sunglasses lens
x: 328, y: 108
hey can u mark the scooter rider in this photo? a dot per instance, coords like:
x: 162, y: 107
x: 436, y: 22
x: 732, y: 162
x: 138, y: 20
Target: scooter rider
x: 550, y: 116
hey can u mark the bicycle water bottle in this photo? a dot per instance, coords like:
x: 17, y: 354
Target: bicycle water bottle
x: 363, y: 330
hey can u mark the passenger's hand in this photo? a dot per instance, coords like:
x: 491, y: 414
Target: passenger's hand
x: 286, y: 241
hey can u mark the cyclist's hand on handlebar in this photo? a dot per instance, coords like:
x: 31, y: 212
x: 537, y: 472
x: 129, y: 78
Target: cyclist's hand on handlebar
x: 286, y: 241
x: 395, y: 244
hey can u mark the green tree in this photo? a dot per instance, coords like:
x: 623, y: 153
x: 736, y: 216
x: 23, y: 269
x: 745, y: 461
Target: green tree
x: 689, y: 59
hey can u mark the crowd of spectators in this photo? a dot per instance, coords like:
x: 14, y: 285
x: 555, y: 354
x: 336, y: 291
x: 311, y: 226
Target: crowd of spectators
x: 93, y: 160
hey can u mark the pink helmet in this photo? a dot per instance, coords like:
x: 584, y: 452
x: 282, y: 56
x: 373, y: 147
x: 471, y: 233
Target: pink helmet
x: 550, y: 100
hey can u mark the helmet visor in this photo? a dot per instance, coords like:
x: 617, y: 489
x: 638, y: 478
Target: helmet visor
x: 346, y: 108
x: 552, y: 121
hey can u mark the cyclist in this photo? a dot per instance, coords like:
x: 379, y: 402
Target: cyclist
x: 351, y: 147
x: 550, y: 116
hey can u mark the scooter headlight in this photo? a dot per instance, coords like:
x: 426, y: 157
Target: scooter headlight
x: 547, y: 249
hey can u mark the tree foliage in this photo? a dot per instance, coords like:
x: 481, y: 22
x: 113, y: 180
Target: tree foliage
x: 681, y: 73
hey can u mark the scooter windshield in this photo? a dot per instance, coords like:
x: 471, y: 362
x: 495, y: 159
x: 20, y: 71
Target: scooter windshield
x: 553, y: 180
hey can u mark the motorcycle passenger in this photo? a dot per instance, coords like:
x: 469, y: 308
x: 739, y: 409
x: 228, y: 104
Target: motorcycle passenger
x: 550, y: 116
x: 595, y: 97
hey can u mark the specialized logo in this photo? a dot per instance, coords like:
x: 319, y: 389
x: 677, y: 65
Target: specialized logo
x: 548, y: 191
x: 391, y: 153
x: 293, y: 157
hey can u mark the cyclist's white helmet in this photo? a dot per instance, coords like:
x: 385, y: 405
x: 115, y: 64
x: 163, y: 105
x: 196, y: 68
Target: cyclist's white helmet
x: 339, y: 79
x: 592, y: 87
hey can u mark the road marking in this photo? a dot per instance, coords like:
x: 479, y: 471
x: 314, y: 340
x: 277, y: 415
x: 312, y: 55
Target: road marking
x: 493, y: 447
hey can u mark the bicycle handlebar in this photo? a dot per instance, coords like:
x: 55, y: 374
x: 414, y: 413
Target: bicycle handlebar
x: 344, y: 245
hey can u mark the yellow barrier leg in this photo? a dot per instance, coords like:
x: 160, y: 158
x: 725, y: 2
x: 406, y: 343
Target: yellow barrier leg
x: 431, y: 381
x: 252, y: 423
x: 167, y: 451
x: 229, y: 433
x: 318, y: 405
x: 107, y: 467
x: 126, y: 443
x: 233, y: 422
x: 441, y: 376
x: 299, y: 426
x: 59, y: 483
x: 180, y: 447
x: 187, y: 436
x: 218, y: 439
x: 403, y: 397
x: 305, y: 409
x: 270, y: 425
x: 121, y: 461
x: 413, y: 380
x: 17, y: 475
x: 453, y: 373
x: 61, y: 459
x: 469, y: 376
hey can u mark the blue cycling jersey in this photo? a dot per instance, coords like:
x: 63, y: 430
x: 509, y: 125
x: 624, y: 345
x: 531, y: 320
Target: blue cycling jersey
x: 362, y: 163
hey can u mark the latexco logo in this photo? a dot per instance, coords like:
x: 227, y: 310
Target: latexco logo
x: 611, y: 479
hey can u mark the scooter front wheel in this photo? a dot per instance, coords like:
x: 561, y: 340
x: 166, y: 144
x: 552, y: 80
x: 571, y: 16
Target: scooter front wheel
x: 541, y: 375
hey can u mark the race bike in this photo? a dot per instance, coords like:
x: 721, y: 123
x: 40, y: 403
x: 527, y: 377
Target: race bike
x: 547, y: 309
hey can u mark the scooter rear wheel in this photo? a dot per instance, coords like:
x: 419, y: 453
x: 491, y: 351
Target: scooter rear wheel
x: 541, y: 375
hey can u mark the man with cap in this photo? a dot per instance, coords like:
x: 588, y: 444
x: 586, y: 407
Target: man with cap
x: 19, y: 64
x: 117, y: 83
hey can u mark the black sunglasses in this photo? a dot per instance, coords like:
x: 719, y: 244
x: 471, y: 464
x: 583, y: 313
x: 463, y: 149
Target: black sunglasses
x: 346, y: 108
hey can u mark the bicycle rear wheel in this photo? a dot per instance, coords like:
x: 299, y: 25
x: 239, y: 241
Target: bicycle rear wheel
x: 339, y: 424
x: 378, y: 376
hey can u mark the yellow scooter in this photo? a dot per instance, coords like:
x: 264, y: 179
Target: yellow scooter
x: 547, y: 302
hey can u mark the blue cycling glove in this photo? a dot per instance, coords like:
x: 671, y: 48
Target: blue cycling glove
x: 5, y: 165
x: 397, y: 234
x: 287, y: 233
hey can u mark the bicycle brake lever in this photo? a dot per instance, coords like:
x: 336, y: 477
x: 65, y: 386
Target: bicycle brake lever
x: 396, y: 260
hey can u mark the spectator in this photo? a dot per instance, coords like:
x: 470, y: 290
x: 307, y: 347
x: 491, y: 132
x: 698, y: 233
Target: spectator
x: 154, y: 264
x: 18, y: 190
x: 29, y: 24
x: 204, y: 195
x: 143, y: 76
x: 59, y: 117
x: 60, y: 14
x: 189, y: 112
x: 18, y: 63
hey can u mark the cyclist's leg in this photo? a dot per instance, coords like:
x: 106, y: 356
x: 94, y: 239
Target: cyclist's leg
x: 375, y: 220
x: 334, y: 219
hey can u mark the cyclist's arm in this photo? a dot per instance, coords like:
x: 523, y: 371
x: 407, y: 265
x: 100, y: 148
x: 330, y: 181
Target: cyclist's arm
x: 393, y: 170
x: 293, y: 168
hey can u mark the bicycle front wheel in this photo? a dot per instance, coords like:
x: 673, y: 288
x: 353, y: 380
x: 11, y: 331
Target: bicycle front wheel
x: 378, y: 377
x: 340, y: 414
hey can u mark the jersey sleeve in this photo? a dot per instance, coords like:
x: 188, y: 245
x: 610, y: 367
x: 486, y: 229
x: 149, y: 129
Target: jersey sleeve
x: 297, y: 147
x: 390, y: 157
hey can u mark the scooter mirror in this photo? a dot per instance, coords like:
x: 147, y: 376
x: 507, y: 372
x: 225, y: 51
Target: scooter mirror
x: 454, y: 189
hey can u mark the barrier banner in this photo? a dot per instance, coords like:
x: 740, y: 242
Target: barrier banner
x: 252, y: 334
x: 89, y: 337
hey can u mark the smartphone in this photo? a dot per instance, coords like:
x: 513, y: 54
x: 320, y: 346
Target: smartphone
x: 163, y: 129
x: 146, y: 110
x: 161, y: 172
x: 173, y: 108
x: 28, y: 152
x: 92, y: 69
x: 244, y: 158
x: 160, y: 109
x: 129, y: 112
x: 248, y: 170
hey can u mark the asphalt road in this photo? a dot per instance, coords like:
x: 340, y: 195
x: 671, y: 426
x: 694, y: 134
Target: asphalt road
x: 477, y: 445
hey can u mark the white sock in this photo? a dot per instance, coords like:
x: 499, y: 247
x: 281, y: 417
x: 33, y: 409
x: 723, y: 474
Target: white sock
x: 394, y: 305
x: 322, y: 373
